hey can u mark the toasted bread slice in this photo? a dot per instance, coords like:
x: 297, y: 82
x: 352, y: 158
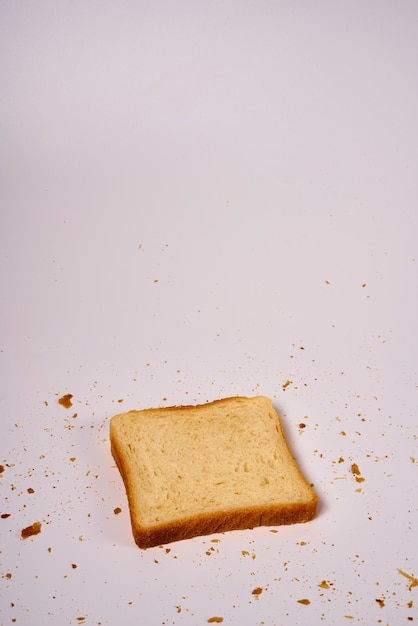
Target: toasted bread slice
x: 197, y: 470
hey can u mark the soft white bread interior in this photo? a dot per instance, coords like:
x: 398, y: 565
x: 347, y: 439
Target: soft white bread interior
x: 197, y: 470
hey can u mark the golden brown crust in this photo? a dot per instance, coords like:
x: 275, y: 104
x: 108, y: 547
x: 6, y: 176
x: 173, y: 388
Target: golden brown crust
x: 220, y: 521
x: 241, y: 519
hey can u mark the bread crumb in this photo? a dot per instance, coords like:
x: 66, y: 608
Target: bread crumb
x: 65, y: 401
x: 304, y: 601
x: 356, y: 473
x: 117, y: 510
x: 380, y: 602
x: 257, y: 591
x: 29, y: 531
x: 414, y: 581
x: 5, y: 515
x: 286, y: 384
x: 30, y: 490
x: 215, y: 620
x: 324, y: 585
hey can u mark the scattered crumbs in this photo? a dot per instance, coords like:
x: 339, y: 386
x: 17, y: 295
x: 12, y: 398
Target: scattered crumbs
x: 414, y: 581
x: 341, y: 460
x: 65, y: 401
x: 380, y: 602
x: 117, y: 510
x: 215, y: 620
x: 304, y: 601
x: 178, y: 608
x: 286, y: 384
x: 29, y: 531
x: 257, y: 591
x: 245, y: 553
x: 5, y: 515
x: 30, y: 490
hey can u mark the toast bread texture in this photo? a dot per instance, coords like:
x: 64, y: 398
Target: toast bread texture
x: 197, y: 470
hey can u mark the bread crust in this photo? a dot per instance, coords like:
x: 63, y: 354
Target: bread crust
x: 208, y: 523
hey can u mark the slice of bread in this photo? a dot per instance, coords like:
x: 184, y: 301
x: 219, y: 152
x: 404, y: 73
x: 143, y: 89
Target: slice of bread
x: 197, y: 470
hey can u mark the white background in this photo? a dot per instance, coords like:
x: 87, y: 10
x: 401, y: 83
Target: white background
x: 204, y: 199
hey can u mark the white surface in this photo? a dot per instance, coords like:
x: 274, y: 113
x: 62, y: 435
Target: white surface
x: 203, y: 199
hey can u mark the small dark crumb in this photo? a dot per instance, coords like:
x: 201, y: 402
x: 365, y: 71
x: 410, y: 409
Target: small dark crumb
x: 380, y: 602
x: 302, y: 425
x: 257, y: 591
x: 30, y: 490
x: 304, y: 601
x: 65, y: 400
x: 29, y: 531
x: 1, y: 469
x: 215, y: 620
x: 117, y: 510
x: 74, y: 565
x: 5, y: 515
